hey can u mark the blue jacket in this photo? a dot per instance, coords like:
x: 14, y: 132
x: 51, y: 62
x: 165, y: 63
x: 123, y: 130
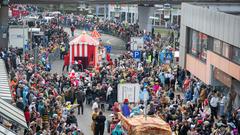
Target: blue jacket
x: 126, y: 110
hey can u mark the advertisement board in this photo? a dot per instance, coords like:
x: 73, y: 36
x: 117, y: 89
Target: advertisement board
x: 130, y: 91
x: 137, y: 43
x: 18, y: 36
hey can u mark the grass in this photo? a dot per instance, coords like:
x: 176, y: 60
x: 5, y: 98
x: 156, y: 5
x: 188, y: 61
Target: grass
x: 163, y: 31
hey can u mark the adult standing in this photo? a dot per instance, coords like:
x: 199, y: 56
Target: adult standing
x: 80, y: 96
x: 66, y: 61
x: 100, y: 123
x: 94, y: 118
x: 214, y: 105
x: 126, y: 108
x: 72, y: 30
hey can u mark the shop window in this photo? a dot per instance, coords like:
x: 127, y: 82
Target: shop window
x: 217, y: 46
x: 194, y: 42
x: 235, y: 54
x: 225, y: 50
x: 157, y: 20
x: 198, y: 44
x: 203, y: 43
x: 129, y: 15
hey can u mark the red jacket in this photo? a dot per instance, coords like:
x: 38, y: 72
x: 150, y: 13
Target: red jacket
x: 27, y: 116
x: 108, y: 57
x: 66, y: 60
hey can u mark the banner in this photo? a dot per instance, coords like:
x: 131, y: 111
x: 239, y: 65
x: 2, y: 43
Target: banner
x: 131, y: 91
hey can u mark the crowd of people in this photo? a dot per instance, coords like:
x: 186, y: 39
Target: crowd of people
x: 50, y: 100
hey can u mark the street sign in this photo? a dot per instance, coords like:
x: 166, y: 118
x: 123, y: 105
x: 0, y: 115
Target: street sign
x: 137, y: 54
x: 108, y: 48
x: 169, y: 56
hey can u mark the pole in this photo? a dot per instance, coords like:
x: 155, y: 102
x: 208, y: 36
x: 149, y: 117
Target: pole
x: 23, y: 43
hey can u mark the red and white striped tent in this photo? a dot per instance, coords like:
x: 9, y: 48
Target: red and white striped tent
x: 84, y: 48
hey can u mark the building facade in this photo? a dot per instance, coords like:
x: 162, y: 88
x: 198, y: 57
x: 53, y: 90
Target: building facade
x: 210, y: 45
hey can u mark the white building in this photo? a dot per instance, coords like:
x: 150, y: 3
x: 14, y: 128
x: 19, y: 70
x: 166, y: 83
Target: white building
x: 124, y: 13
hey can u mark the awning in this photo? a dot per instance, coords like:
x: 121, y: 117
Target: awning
x: 12, y: 113
x: 5, y: 92
x: 5, y: 131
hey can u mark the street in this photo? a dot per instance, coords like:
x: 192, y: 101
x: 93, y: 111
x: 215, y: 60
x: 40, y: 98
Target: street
x: 85, y: 120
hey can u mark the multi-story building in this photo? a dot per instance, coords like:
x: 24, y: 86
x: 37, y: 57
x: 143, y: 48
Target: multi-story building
x: 210, y: 45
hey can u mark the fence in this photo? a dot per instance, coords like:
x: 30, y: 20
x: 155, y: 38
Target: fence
x: 55, y: 55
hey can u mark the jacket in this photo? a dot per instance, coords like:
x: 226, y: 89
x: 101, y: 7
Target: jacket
x: 80, y: 96
x: 100, y: 120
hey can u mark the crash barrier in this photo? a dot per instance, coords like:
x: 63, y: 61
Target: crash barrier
x: 55, y: 55
x: 112, y: 32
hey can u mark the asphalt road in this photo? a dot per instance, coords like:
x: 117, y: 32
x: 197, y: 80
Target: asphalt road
x: 118, y: 45
x: 84, y: 121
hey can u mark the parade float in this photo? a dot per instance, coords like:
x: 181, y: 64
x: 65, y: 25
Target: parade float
x: 84, y: 48
x: 144, y: 125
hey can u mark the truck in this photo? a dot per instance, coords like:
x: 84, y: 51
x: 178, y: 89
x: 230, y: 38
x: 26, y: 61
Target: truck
x: 18, y: 36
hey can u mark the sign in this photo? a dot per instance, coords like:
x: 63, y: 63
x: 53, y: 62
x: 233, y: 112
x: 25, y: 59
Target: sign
x: 137, y: 54
x: 169, y: 56
x: 18, y: 36
x: 108, y: 48
x: 131, y: 91
x: 167, y: 13
x: 137, y: 43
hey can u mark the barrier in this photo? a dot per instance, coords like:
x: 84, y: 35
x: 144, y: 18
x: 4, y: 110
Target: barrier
x: 55, y: 55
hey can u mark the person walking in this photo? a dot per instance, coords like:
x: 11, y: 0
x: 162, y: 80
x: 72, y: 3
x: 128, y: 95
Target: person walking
x: 100, y: 123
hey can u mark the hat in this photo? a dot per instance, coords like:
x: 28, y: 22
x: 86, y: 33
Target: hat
x: 192, y: 126
x: 220, y: 124
x: 55, y: 115
x: 125, y: 101
x: 206, y: 123
x: 199, y: 122
x: 231, y: 125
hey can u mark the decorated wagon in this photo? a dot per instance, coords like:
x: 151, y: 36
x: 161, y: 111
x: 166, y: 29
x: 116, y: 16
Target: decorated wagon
x: 141, y: 125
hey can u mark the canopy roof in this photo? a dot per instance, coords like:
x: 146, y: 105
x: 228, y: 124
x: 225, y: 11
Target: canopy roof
x: 145, y: 126
x: 84, y: 38
x: 12, y: 113
x: 5, y: 131
x: 5, y: 92
x: 95, y: 34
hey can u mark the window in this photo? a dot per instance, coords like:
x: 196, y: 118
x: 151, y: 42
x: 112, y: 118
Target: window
x: 129, y: 15
x: 221, y: 48
x: 225, y: 50
x: 198, y: 44
x: 217, y: 46
x: 203, y: 42
x: 157, y: 20
x: 235, y: 55
x: 194, y: 42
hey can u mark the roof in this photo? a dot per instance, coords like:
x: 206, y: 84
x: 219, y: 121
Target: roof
x: 12, y: 113
x: 5, y: 131
x: 145, y: 125
x: 84, y: 38
x: 5, y: 92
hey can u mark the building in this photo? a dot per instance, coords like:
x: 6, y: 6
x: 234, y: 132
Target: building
x: 164, y: 15
x: 123, y: 13
x: 210, y: 45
